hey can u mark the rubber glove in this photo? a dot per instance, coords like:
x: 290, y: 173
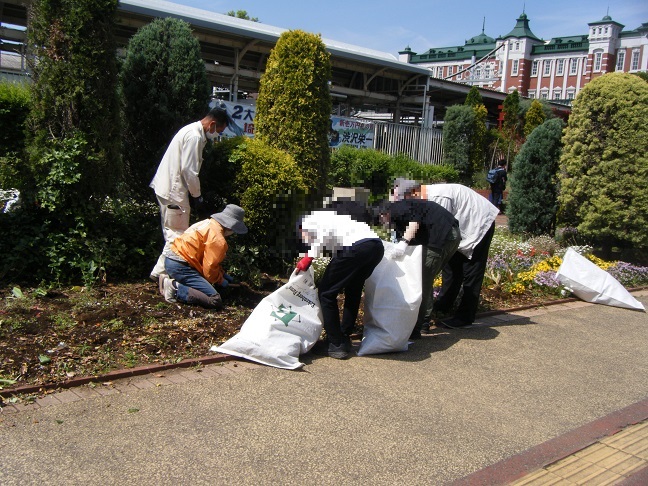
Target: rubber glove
x: 304, y: 264
x: 399, y: 250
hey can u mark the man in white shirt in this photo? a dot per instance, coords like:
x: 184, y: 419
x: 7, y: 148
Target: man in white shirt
x: 466, y: 268
x: 356, y: 251
x: 176, y: 183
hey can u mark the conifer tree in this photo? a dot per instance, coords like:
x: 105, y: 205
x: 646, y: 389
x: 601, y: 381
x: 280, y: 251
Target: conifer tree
x: 604, y: 167
x: 534, y: 117
x: 294, y: 104
x: 532, y: 201
x: 458, y: 132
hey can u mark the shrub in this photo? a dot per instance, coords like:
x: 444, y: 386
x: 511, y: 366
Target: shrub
x: 294, y: 104
x: 532, y: 201
x: 458, y: 130
x: 271, y: 188
x: 164, y: 85
x: 14, y: 109
x: 604, y: 166
x: 218, y: 173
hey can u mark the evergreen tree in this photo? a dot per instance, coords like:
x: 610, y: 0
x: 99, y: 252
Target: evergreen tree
x: 474, y: 97
x: 511, y: 124
x: 458, y: 131
x: 294, y: 104
x: 604, y: 167
x: 532, y: 202
x: 534, y: 117
x: 242, y: 14
x: 74, y: 150
x: 165, y: 87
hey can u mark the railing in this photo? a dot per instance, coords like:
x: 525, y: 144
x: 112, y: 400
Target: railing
x: 421, y: 144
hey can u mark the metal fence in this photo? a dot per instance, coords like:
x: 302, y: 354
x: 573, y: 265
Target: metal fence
x: 421, y: 144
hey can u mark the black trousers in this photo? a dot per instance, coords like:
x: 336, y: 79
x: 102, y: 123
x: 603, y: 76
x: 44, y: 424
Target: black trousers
x: 347, y: 271
x: 460, y: 271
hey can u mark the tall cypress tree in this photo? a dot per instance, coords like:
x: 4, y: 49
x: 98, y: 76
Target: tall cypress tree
x: 294, y: 104
x: 532, y: 202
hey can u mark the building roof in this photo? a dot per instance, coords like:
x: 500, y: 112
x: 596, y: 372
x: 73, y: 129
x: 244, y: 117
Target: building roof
x: 557, y: 45
x: 521, y: 29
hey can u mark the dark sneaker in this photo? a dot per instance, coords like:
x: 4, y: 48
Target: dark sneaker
x: 425, y: 328
x: 347, y: 345
x: 416, y: 334
x: 455, y: 323
x: 337, y: 352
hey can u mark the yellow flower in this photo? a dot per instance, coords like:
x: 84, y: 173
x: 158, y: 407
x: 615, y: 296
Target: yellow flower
x: 599, y: 262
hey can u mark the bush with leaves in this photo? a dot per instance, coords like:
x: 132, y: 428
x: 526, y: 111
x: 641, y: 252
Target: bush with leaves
x: 294, y: 104
x: 14, y: 109
x: 604, y: 166
x: 535, y: 117
x: 458, y: 131
x: 164, y: 87
x: 532, y: 201
x: 74, y: 95
x: 218, y: 173
x: 271, y: 189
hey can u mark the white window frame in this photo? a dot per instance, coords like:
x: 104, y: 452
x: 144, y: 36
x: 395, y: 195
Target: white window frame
x: 620, y: 60
x: 515, y: 67
x: 557, y: 94
x: 487, y: 72
x: 570, y: 94
x: 547, y: 68
x: 517, y: 46
x: 573, y: 66
x: 634, y: 60
x: 450, y: 70
x: 544, y: 94
x: 560, y: 67
x: 531, y: 95
x: 534, y: 68
x: 598, y: 61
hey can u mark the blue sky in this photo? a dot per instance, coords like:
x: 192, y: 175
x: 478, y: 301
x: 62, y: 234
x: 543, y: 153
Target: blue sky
x: 422, y: 24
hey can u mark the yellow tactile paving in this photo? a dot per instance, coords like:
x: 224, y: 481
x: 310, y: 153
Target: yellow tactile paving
x: 607, y: 462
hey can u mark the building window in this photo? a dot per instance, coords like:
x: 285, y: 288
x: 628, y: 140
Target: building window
x: 544, y: 94
x: 620, y: 60
x: 557, y: 94
x: 547, y: 68
x: 598, y: 57
x: 514, y: 69
x: 531, y: 95
x: 634, y: 62
x: 570, y: 95
x: 606, y: 31
x: 517, y: 46
x: 573, y: 67
x: 534, y: 68
x: 560, y: 67
x: 478, y: 73
x: 450, y: 69
x: 487, y: 72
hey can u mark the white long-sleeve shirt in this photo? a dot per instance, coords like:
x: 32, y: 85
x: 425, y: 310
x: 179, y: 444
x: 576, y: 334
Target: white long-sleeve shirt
x: 332, y: 231
x: 177, y: 174
x: 473, y: 211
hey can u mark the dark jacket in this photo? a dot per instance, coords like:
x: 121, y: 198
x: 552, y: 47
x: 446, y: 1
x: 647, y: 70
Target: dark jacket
x: 435, y: 222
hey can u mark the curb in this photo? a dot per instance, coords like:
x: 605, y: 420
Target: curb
x: 218, y: 358
x: 553, y: 450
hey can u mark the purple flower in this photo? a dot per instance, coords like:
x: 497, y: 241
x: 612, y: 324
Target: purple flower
x: 546, y: 279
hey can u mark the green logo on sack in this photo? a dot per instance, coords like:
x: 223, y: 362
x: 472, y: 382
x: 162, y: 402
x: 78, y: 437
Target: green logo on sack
x: 284, y: 314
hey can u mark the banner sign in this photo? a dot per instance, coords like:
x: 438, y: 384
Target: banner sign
x: 342, y: 131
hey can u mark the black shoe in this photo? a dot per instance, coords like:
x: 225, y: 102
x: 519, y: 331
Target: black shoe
x: 425, y: 328
x: 455, y: 323
x: 416, y: 334
x: 337, y: 352
x: 347, y: 345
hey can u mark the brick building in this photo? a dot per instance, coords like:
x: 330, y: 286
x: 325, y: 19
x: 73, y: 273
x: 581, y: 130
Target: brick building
x: 555, y: 69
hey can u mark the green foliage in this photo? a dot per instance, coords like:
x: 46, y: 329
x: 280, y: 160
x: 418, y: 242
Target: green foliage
x: 242, y: 14
x: 525, y: 106
x: 474, y: 97
x: 218, y: 173
x: 74, y: 92
x: 376, y: 171
x: 478, y: 145
x: 604, y: 167
x: 511, y: 108
x: 532, y: 201
x: 294, y: 104
x: 164, y: 87
x: 535, y: 117
x: 14, y: 109
x: 270, y: 188
x: 458, y: 133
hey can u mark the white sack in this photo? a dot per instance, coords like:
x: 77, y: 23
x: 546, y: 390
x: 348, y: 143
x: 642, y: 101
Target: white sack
x: 592, y: 284
x: 391, y: 302
x: 282, y: 326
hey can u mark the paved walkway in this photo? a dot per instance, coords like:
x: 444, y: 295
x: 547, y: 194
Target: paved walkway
x: 554, y: 395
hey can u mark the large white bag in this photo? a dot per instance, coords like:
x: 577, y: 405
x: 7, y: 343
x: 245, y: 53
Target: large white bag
x: 391, y: 302
x: 593, y: 284
x: 282, y: 326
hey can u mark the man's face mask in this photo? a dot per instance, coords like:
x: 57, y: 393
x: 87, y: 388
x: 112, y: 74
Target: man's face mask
x: 211, y: 135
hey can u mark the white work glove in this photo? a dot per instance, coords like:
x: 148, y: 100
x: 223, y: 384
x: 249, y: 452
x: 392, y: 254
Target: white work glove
x: 398, y: 251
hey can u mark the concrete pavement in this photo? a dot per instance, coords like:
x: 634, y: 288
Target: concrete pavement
x: 499, y: 398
